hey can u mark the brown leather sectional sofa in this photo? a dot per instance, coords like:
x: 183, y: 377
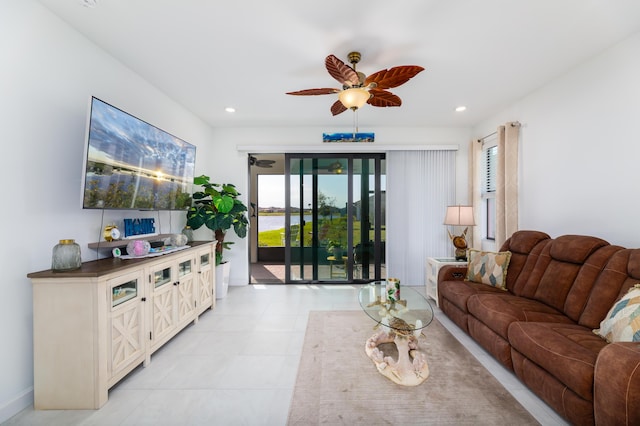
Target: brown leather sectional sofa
x: 541, y: 327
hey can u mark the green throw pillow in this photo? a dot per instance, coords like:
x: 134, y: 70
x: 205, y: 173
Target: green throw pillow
x: 488, y: 267
x: 622, y: 323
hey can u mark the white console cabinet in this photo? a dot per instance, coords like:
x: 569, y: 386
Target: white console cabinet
x: 94, y: 325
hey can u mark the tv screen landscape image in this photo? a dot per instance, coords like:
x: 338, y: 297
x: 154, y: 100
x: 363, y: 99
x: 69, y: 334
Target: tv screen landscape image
x: 131, y: 164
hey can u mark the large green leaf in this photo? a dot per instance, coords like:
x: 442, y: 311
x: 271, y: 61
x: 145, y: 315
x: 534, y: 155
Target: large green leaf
x: 223, y: 203
x: 230, y: 189
x: 199, y: 195
x: 225, y: 221
x: 212, y: 222
x: 240, y: 228
x: 238, y: 207
x: 201, y: 180
x: 196, y: 216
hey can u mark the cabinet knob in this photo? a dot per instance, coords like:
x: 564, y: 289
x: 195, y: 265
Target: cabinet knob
x: 176, y: 283
x: 144, y: 299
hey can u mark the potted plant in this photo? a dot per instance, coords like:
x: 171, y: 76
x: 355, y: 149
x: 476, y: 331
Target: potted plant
x: 217, y: 207
x: 335, y: 248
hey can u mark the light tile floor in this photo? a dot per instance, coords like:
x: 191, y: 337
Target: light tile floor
x: 238, y: 364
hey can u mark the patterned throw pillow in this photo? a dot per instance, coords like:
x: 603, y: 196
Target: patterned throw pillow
x: 487, y: 267
x: 622, y: 323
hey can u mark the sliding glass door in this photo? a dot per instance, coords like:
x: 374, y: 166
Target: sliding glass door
x: 334, y: 220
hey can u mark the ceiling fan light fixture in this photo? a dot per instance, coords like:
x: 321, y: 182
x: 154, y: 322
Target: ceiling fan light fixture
x: 335, y: 167
x: 354, y: 98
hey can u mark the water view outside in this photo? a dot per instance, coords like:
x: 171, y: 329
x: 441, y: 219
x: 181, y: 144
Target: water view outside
x: 272, y: 222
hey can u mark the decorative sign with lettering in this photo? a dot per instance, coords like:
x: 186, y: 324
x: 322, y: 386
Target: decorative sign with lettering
x: 139, y: 227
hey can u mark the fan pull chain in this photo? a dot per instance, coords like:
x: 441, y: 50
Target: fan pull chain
x: 355, y: 124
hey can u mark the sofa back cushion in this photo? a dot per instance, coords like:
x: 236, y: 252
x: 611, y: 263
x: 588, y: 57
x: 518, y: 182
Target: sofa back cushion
x: 621, y: 272
x: 582, y: 288
x: 566, y: 261
x: 525, y: 247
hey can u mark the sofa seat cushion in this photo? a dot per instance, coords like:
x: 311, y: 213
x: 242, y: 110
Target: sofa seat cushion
x: 566, y: 351
x: 458, y: 292
x: 498, y: 311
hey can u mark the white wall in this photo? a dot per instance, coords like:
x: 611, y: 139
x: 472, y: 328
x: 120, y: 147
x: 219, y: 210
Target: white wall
x: 580, y: 147
x: 47, y: 75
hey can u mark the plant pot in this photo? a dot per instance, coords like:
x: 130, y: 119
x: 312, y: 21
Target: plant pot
x: 222, y: 279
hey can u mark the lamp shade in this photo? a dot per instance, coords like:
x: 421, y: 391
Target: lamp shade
x: 354, y: 98
x: 459, y: 216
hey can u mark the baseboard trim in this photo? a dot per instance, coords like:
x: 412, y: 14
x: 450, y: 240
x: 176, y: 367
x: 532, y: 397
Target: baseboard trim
x: 12, y: 407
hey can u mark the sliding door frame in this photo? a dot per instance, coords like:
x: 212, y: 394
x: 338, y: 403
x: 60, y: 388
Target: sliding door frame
x: 350, y: 212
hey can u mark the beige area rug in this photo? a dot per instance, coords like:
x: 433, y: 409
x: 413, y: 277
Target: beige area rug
x: 338, y: 384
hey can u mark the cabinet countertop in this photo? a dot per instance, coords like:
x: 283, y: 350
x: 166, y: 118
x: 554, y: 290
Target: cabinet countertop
x: 97, y: 268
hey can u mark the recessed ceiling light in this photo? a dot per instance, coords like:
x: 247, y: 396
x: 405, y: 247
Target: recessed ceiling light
x: 230, y: 109
x: 461, y: 108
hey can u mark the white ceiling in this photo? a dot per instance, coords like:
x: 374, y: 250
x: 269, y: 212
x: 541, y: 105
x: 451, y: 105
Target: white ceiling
x: 210, y: 54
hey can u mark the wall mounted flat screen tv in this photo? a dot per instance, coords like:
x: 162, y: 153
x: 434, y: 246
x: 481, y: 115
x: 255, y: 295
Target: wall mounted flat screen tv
x: 131, y: 164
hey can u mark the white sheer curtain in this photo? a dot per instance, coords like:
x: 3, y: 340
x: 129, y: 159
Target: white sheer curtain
x: 420, y: 186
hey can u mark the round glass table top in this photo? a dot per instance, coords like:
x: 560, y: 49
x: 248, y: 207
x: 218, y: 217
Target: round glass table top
x: 411, y: 311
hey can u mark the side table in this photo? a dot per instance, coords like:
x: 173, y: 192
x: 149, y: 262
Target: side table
x: 433, y: 268
x: 342, y: 273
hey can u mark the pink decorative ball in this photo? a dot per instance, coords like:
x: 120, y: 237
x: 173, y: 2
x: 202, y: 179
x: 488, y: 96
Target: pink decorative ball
x: 138, y: 248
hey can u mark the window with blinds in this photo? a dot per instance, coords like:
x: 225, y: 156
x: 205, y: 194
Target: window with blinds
x: 489, y: 190
x: 490, y: 169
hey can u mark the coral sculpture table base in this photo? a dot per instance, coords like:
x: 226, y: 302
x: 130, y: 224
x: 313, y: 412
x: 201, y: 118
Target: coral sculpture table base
x: 394, y: 349
x: 410, y: 368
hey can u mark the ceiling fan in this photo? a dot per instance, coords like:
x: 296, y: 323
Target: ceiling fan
x: 335, y: 167
x: 358, y: 89
x: 253, y: 161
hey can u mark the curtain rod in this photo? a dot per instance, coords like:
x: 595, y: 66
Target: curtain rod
x: 488, y: 136
x: 513, y: 124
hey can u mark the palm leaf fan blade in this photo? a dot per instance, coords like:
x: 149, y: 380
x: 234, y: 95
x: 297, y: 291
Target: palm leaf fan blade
x: 311, y: 92
x: 393, y: 77
x: 383, y: 98
x: 341, y: 71
x: 338, y: 108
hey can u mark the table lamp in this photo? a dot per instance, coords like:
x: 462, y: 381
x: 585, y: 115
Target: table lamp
x: 459, y: 216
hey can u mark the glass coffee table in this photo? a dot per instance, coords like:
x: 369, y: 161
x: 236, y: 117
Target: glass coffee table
x: 401, y: 315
